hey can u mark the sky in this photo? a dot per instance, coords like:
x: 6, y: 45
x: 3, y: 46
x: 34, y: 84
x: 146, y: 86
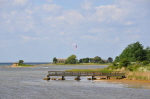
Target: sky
x: 39, y: 30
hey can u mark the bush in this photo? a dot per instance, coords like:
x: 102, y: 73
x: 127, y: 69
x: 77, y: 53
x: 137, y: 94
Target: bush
x: 124, y: 62
x: 145, y: 62
x: 115, y: 64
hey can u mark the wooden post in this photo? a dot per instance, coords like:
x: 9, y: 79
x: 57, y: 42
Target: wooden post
x: 93, y: 77
x: 63, y: 78
x: 108, y: 77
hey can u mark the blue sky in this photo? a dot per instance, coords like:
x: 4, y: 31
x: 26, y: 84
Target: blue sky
x: 39, y: 30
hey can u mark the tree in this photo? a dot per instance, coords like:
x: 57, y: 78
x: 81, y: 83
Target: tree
x: 116, y: 59
x: 124, y: 62
x: 81, y: 60
x: 110, y: 60
x: 97, y: 59
x: 21, y: 61
x: 147, y: 53
x: 55, y: 60
x: 86, y: 60
x: 134, y: 52
x: 72, y: 59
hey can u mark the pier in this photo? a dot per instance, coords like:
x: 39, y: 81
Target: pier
x: 85, y: 74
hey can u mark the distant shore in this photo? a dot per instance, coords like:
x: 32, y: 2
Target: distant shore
x: 81, y: 64
x: 16, y: 66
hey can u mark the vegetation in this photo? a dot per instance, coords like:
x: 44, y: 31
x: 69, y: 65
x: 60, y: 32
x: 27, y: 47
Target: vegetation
x: 71, y: 60
x: 24, y: 65
x: 110, y: 60
x: 134, y: 52
x: 21, y: 63
x: 89, y: 70
x: 55, y: 60
x: 81, y: 64
x: 134, y: 60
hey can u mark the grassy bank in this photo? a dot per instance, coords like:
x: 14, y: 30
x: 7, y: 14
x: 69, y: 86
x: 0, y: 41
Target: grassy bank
x: 138, y: 75
x: 81, y: 64
x: 24, y: 65
x: 89, y: 70
x: 134, y: 71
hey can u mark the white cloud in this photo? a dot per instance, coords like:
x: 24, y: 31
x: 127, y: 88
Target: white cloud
x: 72, y: 16
x: 87, y: 5
x: 133, y: 30
x: 49, y: 0
x: 51, y: 7
x: 27, y: 38
x: 134, y: 37
x: 20, y: 2
x: 90, y: 38
x: 129, y: 23
x: 28, y: 11
x: 109, y: 13
x: 42, y: 22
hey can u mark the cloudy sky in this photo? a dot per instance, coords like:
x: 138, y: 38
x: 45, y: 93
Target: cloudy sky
x: 39, y: 30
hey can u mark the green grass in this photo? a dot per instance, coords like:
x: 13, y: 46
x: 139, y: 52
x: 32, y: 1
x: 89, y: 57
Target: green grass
x: 81, y: 64
x: 24, y: 65
x: 89, y: 70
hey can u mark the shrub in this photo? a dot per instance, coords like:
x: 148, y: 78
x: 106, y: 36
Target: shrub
x: 145, y: 62
x: 124, y: 62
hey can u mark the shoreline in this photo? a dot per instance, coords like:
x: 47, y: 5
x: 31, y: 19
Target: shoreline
x: 77, y: 64
x: 16, y: 66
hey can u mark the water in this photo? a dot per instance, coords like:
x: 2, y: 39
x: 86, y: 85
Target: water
x: 28, y: 83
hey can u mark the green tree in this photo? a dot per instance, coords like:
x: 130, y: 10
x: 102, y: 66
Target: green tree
x: 134, y: 52
x: 110, y: 60
x: 102, y: 61
x: 116, y: 59
x: 86, y: 60
x: 147, y: 53
x: 97, y: 59
x: 124, y: 62
x: 72, y: 59
x: 21, y: 61
x: 81, y: 60
x: 55, y: 60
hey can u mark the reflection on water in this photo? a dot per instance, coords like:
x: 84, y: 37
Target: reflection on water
x: 28, y: 83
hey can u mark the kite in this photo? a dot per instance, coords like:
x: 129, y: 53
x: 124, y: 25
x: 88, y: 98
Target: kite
x: 75, y: 45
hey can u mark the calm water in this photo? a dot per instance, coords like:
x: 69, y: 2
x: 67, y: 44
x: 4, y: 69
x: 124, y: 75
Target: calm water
x: 28, y: 83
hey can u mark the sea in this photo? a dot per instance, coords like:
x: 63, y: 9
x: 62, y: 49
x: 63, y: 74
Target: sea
x: 28, y: 83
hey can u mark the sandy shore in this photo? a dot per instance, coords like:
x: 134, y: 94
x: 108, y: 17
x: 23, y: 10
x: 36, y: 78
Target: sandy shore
x: 130, y: 83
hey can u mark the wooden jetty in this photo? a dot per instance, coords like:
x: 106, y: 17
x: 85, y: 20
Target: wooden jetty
x: 79, y: 74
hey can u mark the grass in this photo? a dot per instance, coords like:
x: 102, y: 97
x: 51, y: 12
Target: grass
x: 134, y: 71
x: 89, y: 70
x: 138, y: 75
x: 24, y: 65
x: 81, y: 64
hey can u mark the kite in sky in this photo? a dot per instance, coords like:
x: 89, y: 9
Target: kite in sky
x: 75, y: 45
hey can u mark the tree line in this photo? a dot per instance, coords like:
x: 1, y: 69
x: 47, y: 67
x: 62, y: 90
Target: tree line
x: 134, y: 52
x: 132, y: 58
x: 72, y: 60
